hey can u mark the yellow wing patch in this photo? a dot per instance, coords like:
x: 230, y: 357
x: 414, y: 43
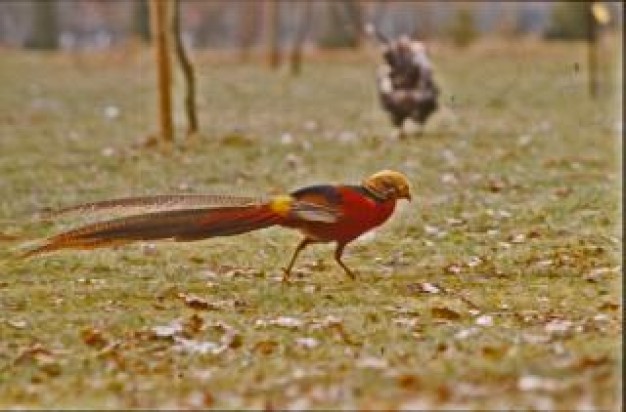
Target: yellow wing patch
x: 281, y: 205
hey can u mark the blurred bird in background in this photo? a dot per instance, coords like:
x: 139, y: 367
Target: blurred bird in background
x: 322, y: 213
x: 405, y: 81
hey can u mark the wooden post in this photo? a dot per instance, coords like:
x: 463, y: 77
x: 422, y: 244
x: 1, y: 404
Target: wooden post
x: 592, y: 55
x: 188, y: 74
x: 248, y: 27
x: 272, y: 25
x: 301, y: 32
x: 160, y: 28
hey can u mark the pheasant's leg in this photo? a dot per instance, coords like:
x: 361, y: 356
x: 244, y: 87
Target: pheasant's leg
x: 304, y: 243
x: 338, y: 253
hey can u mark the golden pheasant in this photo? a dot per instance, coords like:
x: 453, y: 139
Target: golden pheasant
x: 323, y: 213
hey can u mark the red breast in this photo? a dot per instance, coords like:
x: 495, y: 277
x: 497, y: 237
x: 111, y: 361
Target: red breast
x: 359, y: 213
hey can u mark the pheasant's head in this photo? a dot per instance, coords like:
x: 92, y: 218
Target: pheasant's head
x: 388, y: 184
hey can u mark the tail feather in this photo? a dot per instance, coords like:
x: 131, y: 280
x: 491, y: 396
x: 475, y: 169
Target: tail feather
x: 180, y: 225
x: 161, y: 203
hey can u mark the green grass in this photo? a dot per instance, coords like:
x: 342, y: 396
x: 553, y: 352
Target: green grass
x: 516, y: 207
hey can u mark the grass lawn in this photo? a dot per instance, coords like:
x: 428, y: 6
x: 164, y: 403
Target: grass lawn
x: 498, y: 287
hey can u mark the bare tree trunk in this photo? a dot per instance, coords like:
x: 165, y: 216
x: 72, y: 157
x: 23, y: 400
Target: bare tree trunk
x: 141, y: 23
x: 160, y: 26
x: 355, y: 12
x: 424, y: 21
x: 272, y: 26
x: 380, y: 10
x: 345, y: 24
x: 303, y: 28
x: 188, y: 74
x: 248, y: 27
x: 592, y: 45
x: 45, y: 26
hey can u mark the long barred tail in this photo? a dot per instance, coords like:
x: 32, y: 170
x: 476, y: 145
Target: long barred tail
x: 161, y: 203
x: 180, y: 225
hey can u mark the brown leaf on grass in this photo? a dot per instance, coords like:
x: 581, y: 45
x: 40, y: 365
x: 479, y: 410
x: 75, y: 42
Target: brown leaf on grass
x: 281, y: 321
x: 231, y: 338
x: 533, y: 234
x: 496, y: 185
x: 370, y: 362
x: 44, y: 358
x: 494, y: 352
x: 93, y: 337
x: 609, y: 306
x: 531, y: 383
x: 307, y: 342
x: 563, y: 191
x: 409, y: 381
x: 517, y: 238
x: 193, y: 324
x: 467, y: 333
x: 453, y: 268
x: 559, y: 328
x: 17, y: 323
x: 484, y: 320
x: 592, y: 362
x: 200, y: 399
x: 167, y: 331
x: 168, y: 292
x: 244, y: 273
x: 406, y: 322
x: 35, y: 352
x: 335, y: 325
x: 424, y: 287
x: 598, y: 273
x: 196, y: 302
x: 5, y: 237
x: 265, y: 347
x: 535, y: 339
x: 197, y: 347
x: 445, y: 313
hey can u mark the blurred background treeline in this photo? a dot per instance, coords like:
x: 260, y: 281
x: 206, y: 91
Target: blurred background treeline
x: 247, y: 25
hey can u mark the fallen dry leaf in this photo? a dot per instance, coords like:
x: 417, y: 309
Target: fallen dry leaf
x: 199, y: 347
x: 34, y: 352
x: 592, y: 362
x: 370, y: 362
x: 538, y: 383
x: 244, y: 273
x: 17, y: 323
x: 445, y: 313
x: 453, y: 268
x: 536, y: 339
x: 406, y: 322
x: 282, y: 321
x: 167, y: 331
x: 5, y: 237
x: 93, y: 337
x: 597, y: 274
x: 307, y: 342
x: 484, y: 320
x: 265, y: 347
x: 427, y: 287
x: 196, y: 302
x: 466, y: 333
x: 193, y: 324
x: 200, y: 399
x: 609, y: 306
x: 409, y: 381
x: 494, y: 352
x: 559, y: 327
